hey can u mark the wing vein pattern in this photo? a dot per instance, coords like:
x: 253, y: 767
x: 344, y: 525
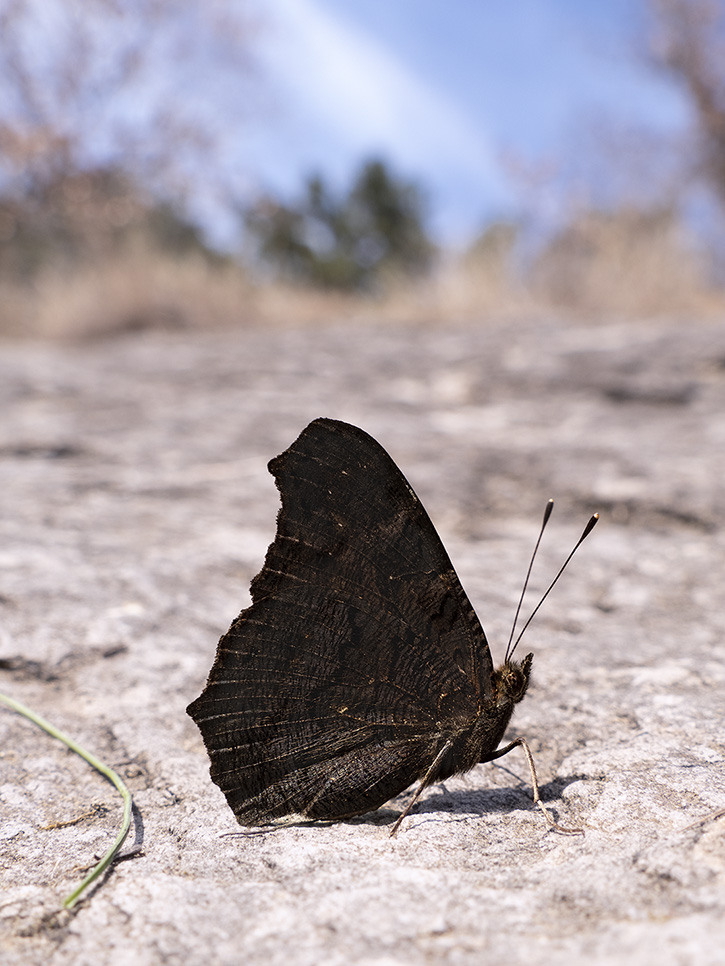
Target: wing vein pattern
x: 360, y: 652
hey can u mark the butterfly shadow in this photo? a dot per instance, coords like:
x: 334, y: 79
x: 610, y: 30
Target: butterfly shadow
x: 437, y: 801
x: 463, y: 803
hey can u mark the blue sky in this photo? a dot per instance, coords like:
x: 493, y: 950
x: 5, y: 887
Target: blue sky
x: 450, y: 92
x: 446, y: 91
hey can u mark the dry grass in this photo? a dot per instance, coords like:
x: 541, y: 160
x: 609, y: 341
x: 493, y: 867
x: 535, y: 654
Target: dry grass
x: 136, y: 289
x: 625, y: 265
x: 622, y: 265
x: 628, y: 263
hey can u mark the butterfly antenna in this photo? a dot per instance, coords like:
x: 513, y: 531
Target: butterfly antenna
x: 587, y: 530
x: 547, y: 514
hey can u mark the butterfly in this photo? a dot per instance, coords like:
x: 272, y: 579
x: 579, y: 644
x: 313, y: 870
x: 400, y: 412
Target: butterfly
x: 360, y: 666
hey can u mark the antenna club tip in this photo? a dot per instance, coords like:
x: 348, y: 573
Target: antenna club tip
x: 513, y: 644
x: 589, y: 527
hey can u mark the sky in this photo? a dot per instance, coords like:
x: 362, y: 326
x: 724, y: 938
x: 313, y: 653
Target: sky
x: 459, y: 96
x: 448, y: 92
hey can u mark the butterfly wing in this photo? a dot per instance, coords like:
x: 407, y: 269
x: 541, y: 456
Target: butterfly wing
x: 360, y: 653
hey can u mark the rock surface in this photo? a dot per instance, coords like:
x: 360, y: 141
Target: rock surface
x: 136, y: 507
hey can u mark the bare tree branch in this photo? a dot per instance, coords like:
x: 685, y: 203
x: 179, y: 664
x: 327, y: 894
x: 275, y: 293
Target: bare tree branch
x: 688, y: 40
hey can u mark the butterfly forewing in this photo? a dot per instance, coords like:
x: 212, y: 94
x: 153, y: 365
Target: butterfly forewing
x: 360, y: 653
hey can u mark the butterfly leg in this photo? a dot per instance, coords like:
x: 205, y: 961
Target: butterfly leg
x: 522, y: 743
x: 427, y: 780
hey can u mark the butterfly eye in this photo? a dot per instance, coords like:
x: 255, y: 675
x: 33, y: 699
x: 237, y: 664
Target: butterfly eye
x: 510, y: 683
x: 519, y: 684
x: 513, y: 682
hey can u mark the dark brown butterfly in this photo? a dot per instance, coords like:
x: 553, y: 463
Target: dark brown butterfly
x: 360, y: 666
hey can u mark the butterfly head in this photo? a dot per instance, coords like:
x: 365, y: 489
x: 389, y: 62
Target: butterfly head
x: 511, y: 680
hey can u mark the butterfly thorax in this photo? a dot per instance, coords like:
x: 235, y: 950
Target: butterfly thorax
x: 509, y: 684
x: 478, y: 741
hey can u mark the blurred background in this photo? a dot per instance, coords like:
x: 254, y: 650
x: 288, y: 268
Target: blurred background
x: 185, y: 163
x: 490, y: 233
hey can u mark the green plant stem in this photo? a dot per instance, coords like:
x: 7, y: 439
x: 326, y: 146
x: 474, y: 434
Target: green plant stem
x: 99, y: 766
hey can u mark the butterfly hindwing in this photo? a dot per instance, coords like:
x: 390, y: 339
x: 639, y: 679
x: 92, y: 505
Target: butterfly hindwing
x: 360, y: 652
